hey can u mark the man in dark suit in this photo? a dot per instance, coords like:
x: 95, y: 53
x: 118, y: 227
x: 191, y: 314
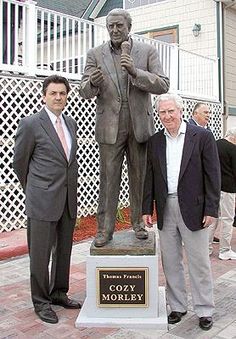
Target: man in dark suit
x: 201, y: 115
x: 122, y: 73
x: 183, y: 178
x: 46, y: 166
x: 227, y: 154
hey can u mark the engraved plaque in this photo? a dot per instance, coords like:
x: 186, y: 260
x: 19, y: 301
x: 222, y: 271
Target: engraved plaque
x: 122, y: 287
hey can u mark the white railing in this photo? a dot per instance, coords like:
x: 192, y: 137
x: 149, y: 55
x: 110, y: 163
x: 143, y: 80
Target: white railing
x: 63, y: 42
x: 41, y: 42
x: 198, y: 74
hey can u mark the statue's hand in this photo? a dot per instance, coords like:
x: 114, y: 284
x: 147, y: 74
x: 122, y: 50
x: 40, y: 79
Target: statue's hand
x: 96, y: 78
x: 127, y: 62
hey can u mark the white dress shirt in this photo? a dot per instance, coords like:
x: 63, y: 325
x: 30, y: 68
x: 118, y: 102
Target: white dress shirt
x: 174, y: 151
x: 53, y: 119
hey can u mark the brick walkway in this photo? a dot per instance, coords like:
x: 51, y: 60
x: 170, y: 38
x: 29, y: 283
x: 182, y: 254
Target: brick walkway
x: 17, y: 319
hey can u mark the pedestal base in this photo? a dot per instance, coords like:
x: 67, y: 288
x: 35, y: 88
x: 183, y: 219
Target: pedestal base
x: 158, y: 323
x: 122, y: 285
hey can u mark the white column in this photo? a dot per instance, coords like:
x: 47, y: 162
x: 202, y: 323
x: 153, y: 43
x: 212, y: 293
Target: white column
x: 30, y: 37
x: 174, y: 68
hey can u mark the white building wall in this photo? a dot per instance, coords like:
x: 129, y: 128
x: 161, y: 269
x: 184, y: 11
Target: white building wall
x: 184, y: 13
x: 230, y: 56
x: 230, y: 122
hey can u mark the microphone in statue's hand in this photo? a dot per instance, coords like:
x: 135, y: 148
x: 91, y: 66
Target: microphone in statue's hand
x: 125, y: 49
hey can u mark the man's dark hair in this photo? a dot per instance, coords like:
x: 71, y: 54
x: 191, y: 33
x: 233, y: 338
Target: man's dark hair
x: 56, y: 79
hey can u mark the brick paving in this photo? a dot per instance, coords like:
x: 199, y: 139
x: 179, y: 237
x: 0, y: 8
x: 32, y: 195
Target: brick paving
x: 18, y: 320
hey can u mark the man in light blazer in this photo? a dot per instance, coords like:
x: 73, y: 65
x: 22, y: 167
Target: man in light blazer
x: 46, y: 166
x: 183, y: 178
x: 122, y: 73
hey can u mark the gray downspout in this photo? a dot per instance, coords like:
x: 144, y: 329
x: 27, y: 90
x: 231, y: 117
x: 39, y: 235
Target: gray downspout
x: 220, y: 56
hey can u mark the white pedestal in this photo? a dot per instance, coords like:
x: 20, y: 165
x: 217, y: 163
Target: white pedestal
x: 151, y: 316
x: 159, y: 322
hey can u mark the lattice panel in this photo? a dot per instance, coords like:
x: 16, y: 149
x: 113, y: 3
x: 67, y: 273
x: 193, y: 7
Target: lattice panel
x: 19, y: 97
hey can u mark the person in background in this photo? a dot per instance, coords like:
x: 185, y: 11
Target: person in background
x: 201, y: 117
x: 46, y: 166
x: 227, y: 154
x: 183, y: 179
x: 122, y: 73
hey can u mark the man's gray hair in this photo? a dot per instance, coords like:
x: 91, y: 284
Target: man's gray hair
x: 170, y: 96
x: 231, y: 132
x: 198, y: 105
x: 122, y: 12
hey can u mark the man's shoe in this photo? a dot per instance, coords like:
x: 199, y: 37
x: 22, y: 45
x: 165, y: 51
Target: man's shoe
x: 102, y: 239
x: 47, y: 315
x: 205, y: 323
x: 141, y: 233
x: 216, y: 240
x: 66, y: 303
x: 227, y: 255
x: 175, y: 317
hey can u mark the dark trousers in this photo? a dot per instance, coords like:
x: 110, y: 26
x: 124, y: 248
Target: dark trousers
x: 111, y: 159
x: 45, y: 239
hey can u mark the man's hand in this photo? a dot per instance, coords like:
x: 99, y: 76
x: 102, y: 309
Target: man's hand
x: 96, y: 78
x: 147, y: 219
x: 128, y: 63
x: 207, y: 221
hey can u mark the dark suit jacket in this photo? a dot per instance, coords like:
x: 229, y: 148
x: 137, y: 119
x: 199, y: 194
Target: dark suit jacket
x: 41, y: 166
x: 227, y: 155
x: 199, y: 178
x: 193, y: 122
x: 150, y: 79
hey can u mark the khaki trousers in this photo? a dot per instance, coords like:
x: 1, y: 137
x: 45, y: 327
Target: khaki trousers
x: 224, y: 222
x: 173, y: 236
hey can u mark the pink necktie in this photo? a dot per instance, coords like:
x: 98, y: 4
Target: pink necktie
x: 61, y: 135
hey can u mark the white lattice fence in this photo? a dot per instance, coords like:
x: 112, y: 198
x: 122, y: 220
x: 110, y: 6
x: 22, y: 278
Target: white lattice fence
x: 20, y: 97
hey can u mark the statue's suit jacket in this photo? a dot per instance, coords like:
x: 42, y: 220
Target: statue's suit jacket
x: 199, y: 178
x: 150, y: 79
x: 41, y: 166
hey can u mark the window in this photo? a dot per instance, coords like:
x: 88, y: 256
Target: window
x: 167, y: 35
